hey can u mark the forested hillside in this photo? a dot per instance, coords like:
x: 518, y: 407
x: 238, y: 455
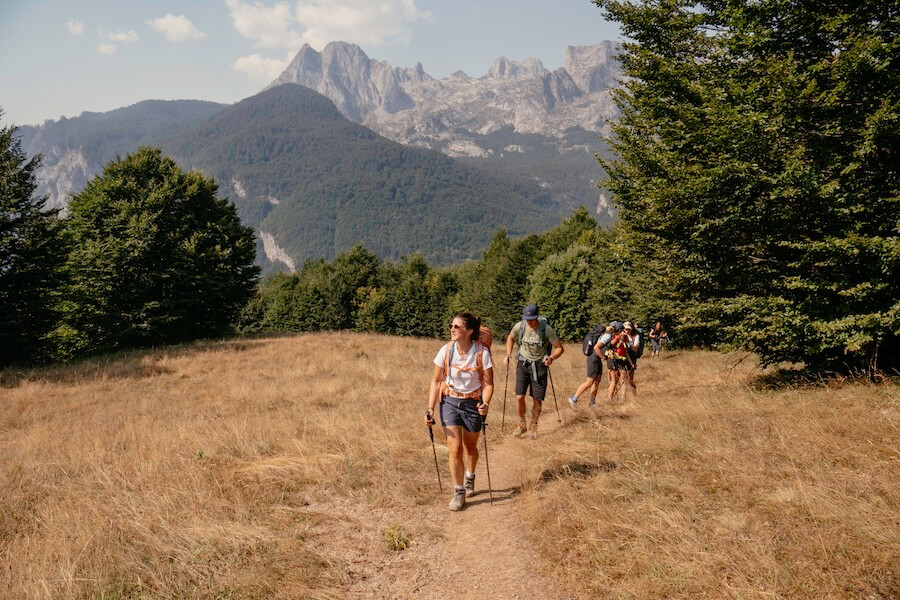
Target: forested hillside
x: 319, y: 183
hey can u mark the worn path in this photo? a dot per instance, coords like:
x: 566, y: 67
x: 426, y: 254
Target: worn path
x: 480, y: 551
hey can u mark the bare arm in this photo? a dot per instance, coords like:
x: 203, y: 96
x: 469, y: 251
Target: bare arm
x: 510, y: 342
x: 434, y: 392
x: 555, y: 353
x: 487, y: 391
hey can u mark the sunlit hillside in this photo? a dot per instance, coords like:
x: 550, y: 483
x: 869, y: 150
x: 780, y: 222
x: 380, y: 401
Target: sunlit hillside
x: 299, y: 467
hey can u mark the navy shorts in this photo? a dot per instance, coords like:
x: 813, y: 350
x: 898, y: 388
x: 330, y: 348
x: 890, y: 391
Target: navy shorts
x: 460, y: 412
x: 618, y: 363
x: 525, y: 379
x: 594, y: 366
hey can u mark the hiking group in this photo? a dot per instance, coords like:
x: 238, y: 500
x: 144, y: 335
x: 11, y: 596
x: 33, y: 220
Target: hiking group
x: 462, y: 385
x: 618, y: 344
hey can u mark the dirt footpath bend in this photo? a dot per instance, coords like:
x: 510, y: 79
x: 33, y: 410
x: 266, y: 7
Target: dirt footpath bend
x: 479, y: 552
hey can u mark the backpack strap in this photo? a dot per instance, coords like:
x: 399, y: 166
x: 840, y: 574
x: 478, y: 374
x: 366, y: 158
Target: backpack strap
x: 479, y: 367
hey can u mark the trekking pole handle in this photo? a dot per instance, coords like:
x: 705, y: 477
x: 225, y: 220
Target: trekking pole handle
x: 429, y: 417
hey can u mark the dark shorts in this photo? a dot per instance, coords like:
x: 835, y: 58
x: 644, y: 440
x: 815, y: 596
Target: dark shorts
x: 618, y: 364
x: 655, y: 343
x: 460, y: 412
x: 594, y: 366
x: 525, y: 372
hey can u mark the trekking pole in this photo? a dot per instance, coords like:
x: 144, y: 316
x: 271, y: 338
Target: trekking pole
x: 433, y: 451
x: 505, y: 390
x: 487, y: 462
x: 550, y: 375
x: 618, y: 385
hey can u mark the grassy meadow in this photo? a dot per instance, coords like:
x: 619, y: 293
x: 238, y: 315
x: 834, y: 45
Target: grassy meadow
x: 280, y: 467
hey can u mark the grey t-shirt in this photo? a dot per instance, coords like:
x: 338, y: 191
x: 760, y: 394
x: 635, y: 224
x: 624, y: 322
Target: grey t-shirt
x: 530, y: 347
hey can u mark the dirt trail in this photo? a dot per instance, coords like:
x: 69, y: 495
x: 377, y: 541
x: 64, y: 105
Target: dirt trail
x: 480, y: 551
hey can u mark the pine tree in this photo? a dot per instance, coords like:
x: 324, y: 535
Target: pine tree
x: 757, y: 164
x: 30, y: 257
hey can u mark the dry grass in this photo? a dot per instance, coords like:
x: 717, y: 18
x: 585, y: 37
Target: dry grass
x: 271, y: 468
x: 219, y: 470
x: 715, y: 488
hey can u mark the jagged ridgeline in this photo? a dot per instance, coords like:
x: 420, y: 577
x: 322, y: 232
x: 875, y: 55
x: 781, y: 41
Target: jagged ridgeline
x: 313, y: 184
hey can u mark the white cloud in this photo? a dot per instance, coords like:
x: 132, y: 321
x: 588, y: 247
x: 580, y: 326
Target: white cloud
x: 176, y: 28
x: 107, y: 49
x: 119, y: 36
x: 75, y: 27
x: 269, y: 27
x: 260, y: 68
x: 358, y: 21
x: 318, y: 22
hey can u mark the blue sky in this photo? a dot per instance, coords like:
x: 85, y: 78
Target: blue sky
x: 59, y: 57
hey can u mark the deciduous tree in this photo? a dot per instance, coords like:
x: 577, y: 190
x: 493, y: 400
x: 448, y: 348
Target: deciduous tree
x: 157, y: 257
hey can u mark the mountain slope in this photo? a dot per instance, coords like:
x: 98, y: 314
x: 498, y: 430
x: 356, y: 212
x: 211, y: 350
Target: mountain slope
x: 314, y: 183
x: 519, y: 118
x: 76, y: 149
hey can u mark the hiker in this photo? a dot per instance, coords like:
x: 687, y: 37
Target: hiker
x: 538, y: 346
x: 463, y: 382
x: 598, y: 336
x: 618, y: 361
x: 635, y: 348
x: 655, y: 336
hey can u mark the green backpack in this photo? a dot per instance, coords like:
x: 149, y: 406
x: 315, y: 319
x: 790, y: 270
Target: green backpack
x: 542, y: 333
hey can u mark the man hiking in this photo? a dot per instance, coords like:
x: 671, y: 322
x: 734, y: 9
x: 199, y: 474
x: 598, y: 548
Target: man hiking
x: 538, y: 346
x: 598, y: 337
x: 463, y: 383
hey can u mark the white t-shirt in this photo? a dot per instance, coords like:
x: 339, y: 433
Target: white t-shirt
x: 464, y: 382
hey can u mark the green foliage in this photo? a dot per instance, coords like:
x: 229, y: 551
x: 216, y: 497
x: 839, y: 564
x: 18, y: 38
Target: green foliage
x: 576, y: 272
x: 757, y: 167
x: 30, y: 257
x: 156, y: 257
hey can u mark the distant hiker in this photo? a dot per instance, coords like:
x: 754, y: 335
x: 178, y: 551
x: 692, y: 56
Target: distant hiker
x: 635, y: 340
x: 597, y: 335
x: 655, y: 336
x: 463, y: 382
x: 618, y: 361
x: 538, y: 346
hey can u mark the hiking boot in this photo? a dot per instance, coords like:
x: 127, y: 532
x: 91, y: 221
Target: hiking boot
x: 533, y: 430
x: 592, y: 403
x: 572, y: 402
x: 520, y: 430
x: 458, y: 501
x: 470, y: 485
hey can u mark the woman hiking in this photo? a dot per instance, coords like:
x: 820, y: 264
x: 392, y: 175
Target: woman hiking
x: 463, y: 382
x: 618, y: 362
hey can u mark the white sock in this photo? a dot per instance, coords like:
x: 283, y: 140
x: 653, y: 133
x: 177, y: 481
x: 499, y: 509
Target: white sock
x: 469, y: 475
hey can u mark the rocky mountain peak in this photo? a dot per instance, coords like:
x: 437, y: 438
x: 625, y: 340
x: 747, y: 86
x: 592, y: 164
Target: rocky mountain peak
x: 503, y: 68
x: 411, y: 107
x: 594, y: 68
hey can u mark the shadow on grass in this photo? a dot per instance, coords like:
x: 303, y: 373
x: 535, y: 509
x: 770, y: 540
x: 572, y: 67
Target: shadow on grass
x: 782, y: 379
x: 125, y: 364
x: 578, y: 470
x: 483, y: 496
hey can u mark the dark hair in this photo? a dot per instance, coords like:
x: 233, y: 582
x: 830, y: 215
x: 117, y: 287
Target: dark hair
x: 472, y: 322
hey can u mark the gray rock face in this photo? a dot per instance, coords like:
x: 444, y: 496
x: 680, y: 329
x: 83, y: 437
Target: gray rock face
x: 66, y: 171
x: 410, y: 107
